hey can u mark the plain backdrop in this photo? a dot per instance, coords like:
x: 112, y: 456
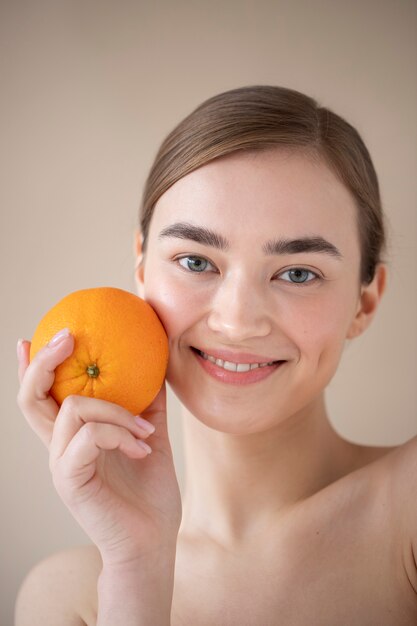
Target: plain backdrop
x: 89, y: 90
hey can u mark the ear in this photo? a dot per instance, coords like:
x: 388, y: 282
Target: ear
x: 139, y: 262
x: 369, y: 300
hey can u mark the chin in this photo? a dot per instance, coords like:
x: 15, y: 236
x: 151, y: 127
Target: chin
x: 225, y: 415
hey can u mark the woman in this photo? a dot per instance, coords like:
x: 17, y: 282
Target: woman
x: 260, y: 247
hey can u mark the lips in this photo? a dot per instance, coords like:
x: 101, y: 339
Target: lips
x: 233, y: 366
x: 234, y: 357
x: 233, y: 372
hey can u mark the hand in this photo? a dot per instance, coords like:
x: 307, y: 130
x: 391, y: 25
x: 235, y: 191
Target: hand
x: 126, y: 500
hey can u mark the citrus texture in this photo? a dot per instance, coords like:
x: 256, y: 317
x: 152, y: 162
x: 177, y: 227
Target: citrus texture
x: 120, y: 352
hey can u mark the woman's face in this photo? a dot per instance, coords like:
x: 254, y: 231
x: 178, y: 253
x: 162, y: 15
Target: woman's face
x: 256, y: 255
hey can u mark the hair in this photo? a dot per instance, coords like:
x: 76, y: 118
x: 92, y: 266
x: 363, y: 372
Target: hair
x: 261, y: 117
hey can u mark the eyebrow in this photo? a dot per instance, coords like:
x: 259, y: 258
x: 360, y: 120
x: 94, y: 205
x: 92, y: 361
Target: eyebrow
x: 207, y: 237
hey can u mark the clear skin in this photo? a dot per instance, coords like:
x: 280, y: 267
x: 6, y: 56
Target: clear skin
x: 259, y: 457
x: 273, y: 435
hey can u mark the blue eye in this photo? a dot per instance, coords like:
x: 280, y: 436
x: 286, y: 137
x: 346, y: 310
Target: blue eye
x: 299, y: 275
x: 194, y: 263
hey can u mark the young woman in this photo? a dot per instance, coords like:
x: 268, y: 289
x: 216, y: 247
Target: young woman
x: 260, y: 247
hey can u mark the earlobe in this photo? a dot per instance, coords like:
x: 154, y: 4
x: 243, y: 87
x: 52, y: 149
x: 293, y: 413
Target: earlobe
x: 369, y: 300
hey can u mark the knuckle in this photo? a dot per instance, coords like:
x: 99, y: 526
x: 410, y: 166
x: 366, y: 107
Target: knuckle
x: 71, y: 403
x: 89, y: 429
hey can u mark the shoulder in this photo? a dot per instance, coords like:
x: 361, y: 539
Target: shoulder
x: 401, y: 470
x: 61, y: 589
x: 404, y: 478
x: 401, y: 478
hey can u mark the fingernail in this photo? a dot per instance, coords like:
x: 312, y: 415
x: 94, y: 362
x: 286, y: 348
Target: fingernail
x: 144, y: 445
x: 144, y: 425
x: 19, y: 348
x: 56, y: 339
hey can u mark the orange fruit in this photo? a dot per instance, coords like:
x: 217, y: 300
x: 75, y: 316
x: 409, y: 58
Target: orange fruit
x: 120, y: 352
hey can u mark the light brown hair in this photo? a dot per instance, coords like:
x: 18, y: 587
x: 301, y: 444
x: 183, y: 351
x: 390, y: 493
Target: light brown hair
x: 256, y: 118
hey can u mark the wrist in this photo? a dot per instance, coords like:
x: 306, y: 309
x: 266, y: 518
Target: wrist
x: 138, y: 592
x: 133, y: 561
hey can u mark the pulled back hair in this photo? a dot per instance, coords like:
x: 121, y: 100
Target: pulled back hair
x: 257, y: 118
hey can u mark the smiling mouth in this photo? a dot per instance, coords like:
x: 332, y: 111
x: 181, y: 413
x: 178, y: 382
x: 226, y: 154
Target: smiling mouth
x: 230, y: 366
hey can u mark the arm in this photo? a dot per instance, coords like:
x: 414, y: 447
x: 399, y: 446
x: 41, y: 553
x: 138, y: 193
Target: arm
x: 138, y: 595
x: 127, y: 502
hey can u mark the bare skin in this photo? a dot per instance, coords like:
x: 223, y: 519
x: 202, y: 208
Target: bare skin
x: 340, y: 558
x: 337, y: 558
x: 283, y: 521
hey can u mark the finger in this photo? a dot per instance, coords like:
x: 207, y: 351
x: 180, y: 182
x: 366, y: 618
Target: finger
x: 38, y: 407
x: 76, y: 411
x: 78, y: 464
x: 156, y: 412
x: 22, y: 350
x: 41, y: 371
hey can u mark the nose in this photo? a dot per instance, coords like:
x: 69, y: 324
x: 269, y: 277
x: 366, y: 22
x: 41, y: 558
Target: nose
x: 239, y: 311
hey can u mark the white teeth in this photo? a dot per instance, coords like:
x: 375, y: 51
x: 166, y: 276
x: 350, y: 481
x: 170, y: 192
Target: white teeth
x: 233, y: 367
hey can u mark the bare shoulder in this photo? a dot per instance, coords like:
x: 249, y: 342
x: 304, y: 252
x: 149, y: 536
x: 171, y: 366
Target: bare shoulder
x: 61, y: 589
x: 403, y: 470
x: 396, y: 466
x: 400, y: 464
x: 408, y: 451
x: 399, y: 469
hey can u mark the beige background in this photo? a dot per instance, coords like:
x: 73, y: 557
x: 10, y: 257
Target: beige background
x: 89, y: 90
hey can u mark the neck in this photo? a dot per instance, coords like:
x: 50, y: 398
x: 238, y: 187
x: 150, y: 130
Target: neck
x: 238, y: 485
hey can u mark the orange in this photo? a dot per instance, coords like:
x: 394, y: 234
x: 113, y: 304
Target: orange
x: 120, y: 352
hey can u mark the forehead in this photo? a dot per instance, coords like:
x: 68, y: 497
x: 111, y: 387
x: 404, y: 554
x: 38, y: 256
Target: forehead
x: 263, y: 194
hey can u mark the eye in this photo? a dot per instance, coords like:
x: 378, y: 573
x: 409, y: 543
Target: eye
x: 195, y: 264
x: 299, y: 275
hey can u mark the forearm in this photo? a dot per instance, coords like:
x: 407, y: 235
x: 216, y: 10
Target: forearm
x: 140, y: 595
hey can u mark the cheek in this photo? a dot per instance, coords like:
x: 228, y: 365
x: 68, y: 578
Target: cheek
x: 173, y: 304
x: 319, y: 326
